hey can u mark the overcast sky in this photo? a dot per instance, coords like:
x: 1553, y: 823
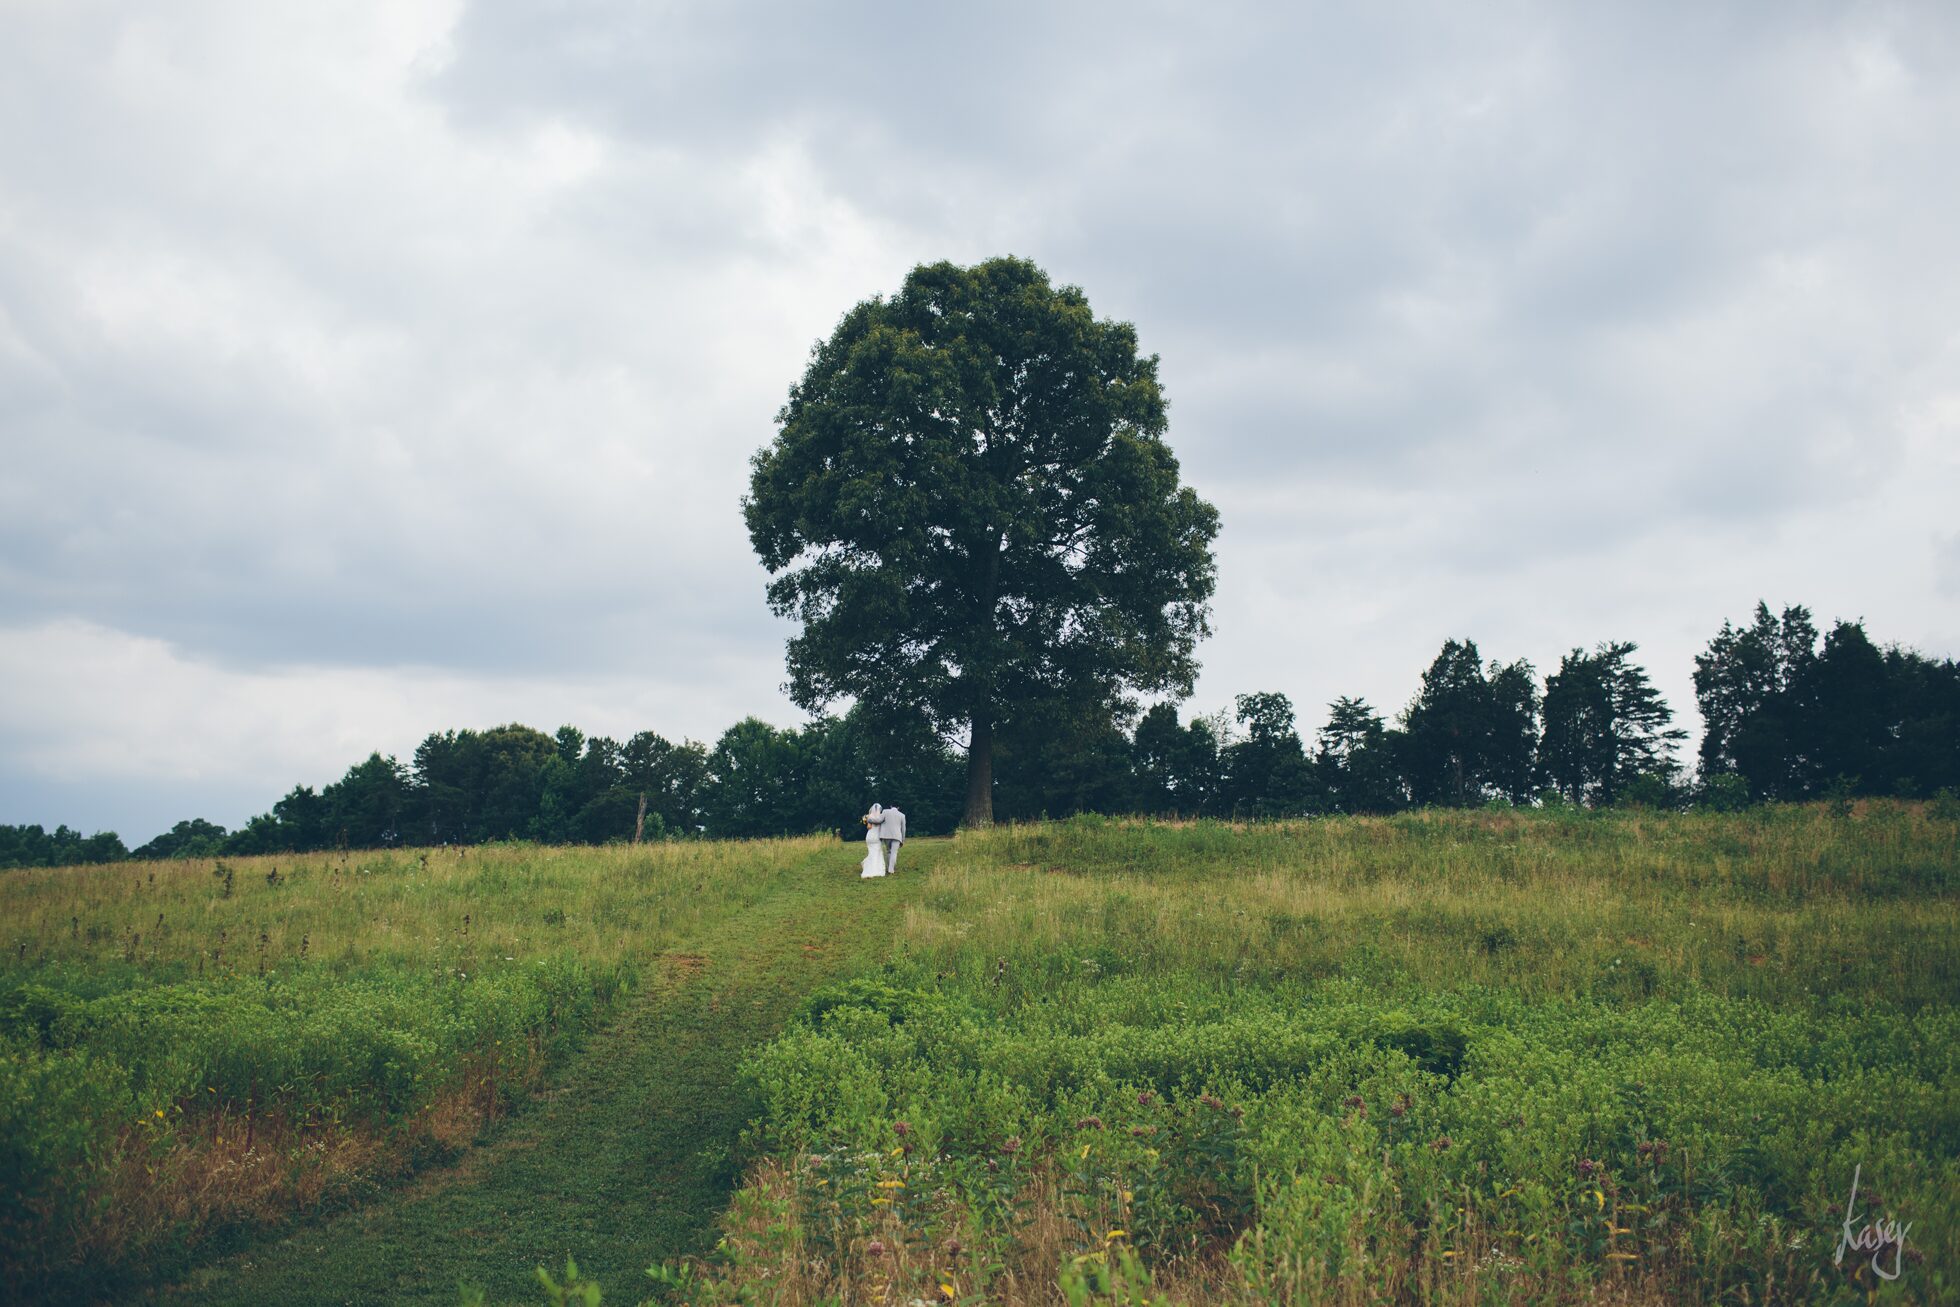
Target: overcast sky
x: 369, y: 369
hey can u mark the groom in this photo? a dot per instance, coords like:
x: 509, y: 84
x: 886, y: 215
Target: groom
x: 891, y: 834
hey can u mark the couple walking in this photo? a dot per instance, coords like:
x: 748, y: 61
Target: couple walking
x: 884, y: 831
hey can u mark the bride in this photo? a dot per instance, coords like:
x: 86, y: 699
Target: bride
x: 874, y: 852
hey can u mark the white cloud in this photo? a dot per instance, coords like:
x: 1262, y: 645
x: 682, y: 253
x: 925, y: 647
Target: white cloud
x: 85, y: 702
x: 396, y: 366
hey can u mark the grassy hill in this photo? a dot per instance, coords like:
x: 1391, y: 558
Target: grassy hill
x: 1440, y: 1057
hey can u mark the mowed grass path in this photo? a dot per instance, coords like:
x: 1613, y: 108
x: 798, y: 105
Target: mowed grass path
x: 627, y: 1157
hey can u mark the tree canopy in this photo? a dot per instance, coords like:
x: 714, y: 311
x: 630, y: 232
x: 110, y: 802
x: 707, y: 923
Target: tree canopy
x: 1605, y: 725
x: 1795, y: 720
x: 1469, y: 735
x: 970, y: 508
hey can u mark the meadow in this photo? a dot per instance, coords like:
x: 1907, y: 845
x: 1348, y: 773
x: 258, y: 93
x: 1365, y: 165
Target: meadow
x: 1450, y: 1058
x: 1494, y: 1055
x: 192, y: 1048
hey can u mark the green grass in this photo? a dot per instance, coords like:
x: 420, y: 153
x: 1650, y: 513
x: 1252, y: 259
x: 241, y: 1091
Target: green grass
x: 1488, y: 1056
x: 630, y: 1156
x: 290, y: 1043
x: 1439, y: 1057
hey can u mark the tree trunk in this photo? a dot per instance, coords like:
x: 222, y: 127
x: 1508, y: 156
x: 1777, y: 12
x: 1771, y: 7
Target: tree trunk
x: 640, y: 820
x: 980, y: 775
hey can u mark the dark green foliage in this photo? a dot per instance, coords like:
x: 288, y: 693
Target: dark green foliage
x: 1470, y: 734
x: 1799, y: 721
x: 370, y: 804
x: 1266, y: 769
x: 672, y: 776
x: 971, y: 510
x: 194, y: 838
x: 483, y: 786
x: 1177, y: 767
x: 759, y: 779
x: 1606, y: 727
x: 894, y: 1003
x: 1654, y: 789
x: 1066, y: 761
x: 1435, y: 1046
x: 30, y: 846
x: 1356, y: 760
x: 1743, y: 686
x: 1725, y: 792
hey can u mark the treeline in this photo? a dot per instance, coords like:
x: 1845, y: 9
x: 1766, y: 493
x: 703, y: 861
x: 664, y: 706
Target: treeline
x: 1787, y: 716
x: 32, y: 846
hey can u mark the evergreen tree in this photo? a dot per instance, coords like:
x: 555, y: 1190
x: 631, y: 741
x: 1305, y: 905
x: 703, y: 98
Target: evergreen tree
x: 1356, y: 760
x: 1470, y: 734
x: 1605, y: 725
x: 1745, y: 687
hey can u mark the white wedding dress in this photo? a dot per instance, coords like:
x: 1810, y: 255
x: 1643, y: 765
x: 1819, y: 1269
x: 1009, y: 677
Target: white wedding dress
x: 874, y: 855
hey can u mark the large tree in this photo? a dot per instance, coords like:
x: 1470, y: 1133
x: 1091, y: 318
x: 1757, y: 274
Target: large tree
x: 971, y: 509
x: 1605, y: 725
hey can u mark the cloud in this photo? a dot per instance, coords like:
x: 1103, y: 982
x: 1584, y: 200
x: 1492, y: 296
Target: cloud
x: 89, y: 708
x: 406, y: 360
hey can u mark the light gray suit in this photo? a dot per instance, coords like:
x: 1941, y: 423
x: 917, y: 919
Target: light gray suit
x: 891, y: 833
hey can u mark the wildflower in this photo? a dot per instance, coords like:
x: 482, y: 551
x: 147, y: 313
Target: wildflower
x: 1142, y: 1131
x: 1214, y: 1103
x: 1089, y: 1123
x: 1355, y: 1100
x: 876, y: 1248
x: 1011, y: 1145
x: 1441, y: 1142
x: 954, y: 1247
x: 1145, y: 1098
x: 1588, y: 1168
x: 901, y: 1129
